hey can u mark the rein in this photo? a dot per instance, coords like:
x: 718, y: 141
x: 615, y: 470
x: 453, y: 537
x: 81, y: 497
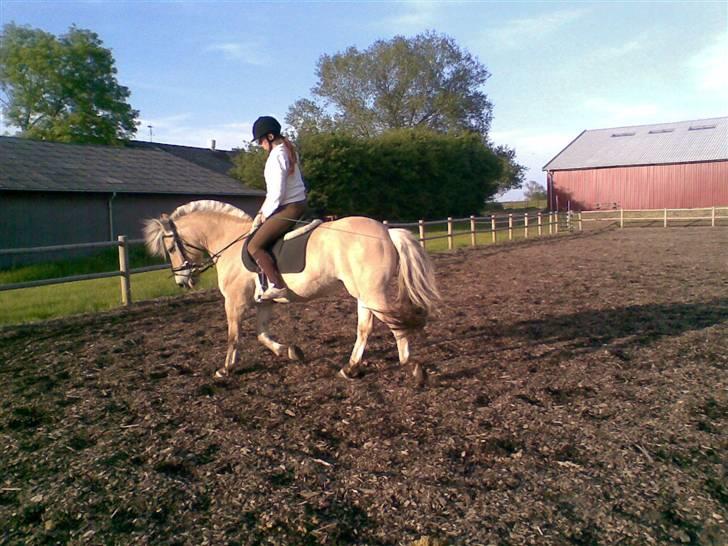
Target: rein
x: 181, y: 244
x: 198, y: 268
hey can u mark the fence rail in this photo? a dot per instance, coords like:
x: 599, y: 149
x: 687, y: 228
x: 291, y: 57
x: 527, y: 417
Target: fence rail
x: 530, y: 225
x: 523, y: 225
x: 124, y: 271
x: 624, y: 216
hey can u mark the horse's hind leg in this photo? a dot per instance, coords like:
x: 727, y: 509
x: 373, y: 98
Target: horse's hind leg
x: 263, y: 315
x: 418, y: 372
x: 365, y: 323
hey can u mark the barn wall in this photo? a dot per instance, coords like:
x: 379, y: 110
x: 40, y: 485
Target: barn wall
x: 32, y: 219
x: 688, y: 185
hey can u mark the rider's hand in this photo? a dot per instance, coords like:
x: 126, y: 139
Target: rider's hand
x: 257, y: 221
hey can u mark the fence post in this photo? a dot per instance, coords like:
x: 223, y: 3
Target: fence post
x: 556, y: 224
x: 472, y: 231
x: 539, y: 224
x: 568, y: 221
x: 124, y: 270
x: 621, y: 217
x: 421, y: 224
x: 712, y: 218
x: 449, y: 233
x: 551, y: 222
x: 581, y: 223
x: 492, y: 228
x: 664, y: 224
x: 510, y: 226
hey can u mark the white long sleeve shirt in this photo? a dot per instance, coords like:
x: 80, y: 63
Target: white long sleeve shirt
x: 281, y: 188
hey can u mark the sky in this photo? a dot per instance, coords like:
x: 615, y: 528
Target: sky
x: 206, y: 69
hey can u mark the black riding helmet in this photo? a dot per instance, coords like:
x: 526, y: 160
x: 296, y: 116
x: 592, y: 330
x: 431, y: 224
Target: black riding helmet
x: 264, y: 125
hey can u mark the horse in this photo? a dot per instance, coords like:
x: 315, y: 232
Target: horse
x: 358, y: 252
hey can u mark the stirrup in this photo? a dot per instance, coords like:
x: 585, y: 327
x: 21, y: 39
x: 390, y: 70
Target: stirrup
x: 273, y: 293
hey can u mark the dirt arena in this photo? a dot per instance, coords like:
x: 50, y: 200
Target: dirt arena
x: 577, y: 394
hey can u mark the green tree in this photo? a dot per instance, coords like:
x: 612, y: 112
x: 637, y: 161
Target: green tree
x: 421, y: 82
x: 534, y: 191
x: 512, y: 173
x: 248, y: 166
x: 63, y: 89
x: 403, y: 174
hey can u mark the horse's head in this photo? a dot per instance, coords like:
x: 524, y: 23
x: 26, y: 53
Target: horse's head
x: 165, y: 238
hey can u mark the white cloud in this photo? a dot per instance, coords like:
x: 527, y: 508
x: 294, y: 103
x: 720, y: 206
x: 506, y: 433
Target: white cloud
x: 247, y: 53
x: 709, y: 67
x: 523, y: 31
x: 417, y: 15
x: 534, y: 148
x: 181, y: 129
x: 617, y: 113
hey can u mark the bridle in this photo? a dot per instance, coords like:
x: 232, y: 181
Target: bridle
x: 194, y: 268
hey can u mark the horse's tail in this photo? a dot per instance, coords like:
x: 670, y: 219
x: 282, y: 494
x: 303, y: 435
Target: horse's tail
x: 417, y: 294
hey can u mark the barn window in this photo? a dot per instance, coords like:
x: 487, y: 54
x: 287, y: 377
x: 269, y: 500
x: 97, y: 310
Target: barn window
x: 622, y: 134
x: 700, y: 127
x: 659, y: 131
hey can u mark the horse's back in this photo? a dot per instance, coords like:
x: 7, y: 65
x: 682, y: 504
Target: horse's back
x: 353, y: 243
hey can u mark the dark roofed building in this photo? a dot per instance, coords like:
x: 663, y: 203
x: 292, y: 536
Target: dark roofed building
x: 54, y: 193
x: 667, y: 165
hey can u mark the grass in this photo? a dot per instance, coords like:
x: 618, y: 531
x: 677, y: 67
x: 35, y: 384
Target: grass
x: 61, y: 300
x: 106, y: 260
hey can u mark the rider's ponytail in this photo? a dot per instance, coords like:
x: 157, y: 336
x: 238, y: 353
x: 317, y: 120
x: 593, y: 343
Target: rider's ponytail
x: 292, y: 155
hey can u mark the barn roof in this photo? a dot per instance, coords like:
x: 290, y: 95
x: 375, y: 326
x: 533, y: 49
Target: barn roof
x: 33, y: 165
x: 662, y: 143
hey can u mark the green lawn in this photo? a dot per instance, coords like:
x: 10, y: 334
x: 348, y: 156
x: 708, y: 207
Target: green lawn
x: 60, y: 300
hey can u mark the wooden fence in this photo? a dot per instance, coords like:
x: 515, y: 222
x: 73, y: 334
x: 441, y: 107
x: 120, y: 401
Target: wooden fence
x: 516, y: 225
x: 124, y: 272
x: 705, y: 216
x: 519, y: 226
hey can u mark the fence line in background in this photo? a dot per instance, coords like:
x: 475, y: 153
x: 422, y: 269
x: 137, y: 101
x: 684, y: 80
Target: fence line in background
x: 124, y: 272
x: 548, y: 223
x: 497, y: 223
x: 665, y: 216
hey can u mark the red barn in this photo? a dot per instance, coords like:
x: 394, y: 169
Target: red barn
x: 668, y: 165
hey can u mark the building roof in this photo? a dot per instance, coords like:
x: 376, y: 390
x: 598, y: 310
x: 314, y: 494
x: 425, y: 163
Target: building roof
x: 33, y: 165
x: 662, y: 143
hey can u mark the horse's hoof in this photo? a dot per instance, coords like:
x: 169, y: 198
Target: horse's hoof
x: 295, y: 353
x: 420, y: 376
x: 220, y: 374
x: 346, y: 376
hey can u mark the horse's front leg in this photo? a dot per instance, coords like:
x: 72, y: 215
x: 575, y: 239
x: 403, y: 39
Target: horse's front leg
x: 264, y: 312
x: 234, y: 310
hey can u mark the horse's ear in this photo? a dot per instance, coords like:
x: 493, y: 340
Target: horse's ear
x: 164, y: 221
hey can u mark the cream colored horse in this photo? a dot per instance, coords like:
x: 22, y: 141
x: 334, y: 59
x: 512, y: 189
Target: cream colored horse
x: 359, y: 252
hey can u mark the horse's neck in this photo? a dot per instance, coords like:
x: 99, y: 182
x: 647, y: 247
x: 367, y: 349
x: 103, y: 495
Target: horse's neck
x: 213, y: 231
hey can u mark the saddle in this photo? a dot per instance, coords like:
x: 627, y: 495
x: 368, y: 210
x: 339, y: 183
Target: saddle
x: 289, y: 251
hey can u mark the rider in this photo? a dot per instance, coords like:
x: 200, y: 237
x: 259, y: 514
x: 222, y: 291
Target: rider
x: 285, y: 201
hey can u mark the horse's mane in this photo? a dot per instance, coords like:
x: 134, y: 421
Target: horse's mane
x: 208, y: 205
x: 154, y: 230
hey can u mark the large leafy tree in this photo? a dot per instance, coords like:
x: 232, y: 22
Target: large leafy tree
x: 422, y: 82
x: 63, y: 89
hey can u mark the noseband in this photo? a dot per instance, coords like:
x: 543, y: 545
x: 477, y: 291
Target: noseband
x: 181, y: 245
x: 188, y: 265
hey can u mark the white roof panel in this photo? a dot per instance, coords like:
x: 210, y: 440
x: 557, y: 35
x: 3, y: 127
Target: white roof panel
x: 680, y: 142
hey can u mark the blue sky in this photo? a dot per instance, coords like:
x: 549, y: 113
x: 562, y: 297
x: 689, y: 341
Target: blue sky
x: 199, y: 70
